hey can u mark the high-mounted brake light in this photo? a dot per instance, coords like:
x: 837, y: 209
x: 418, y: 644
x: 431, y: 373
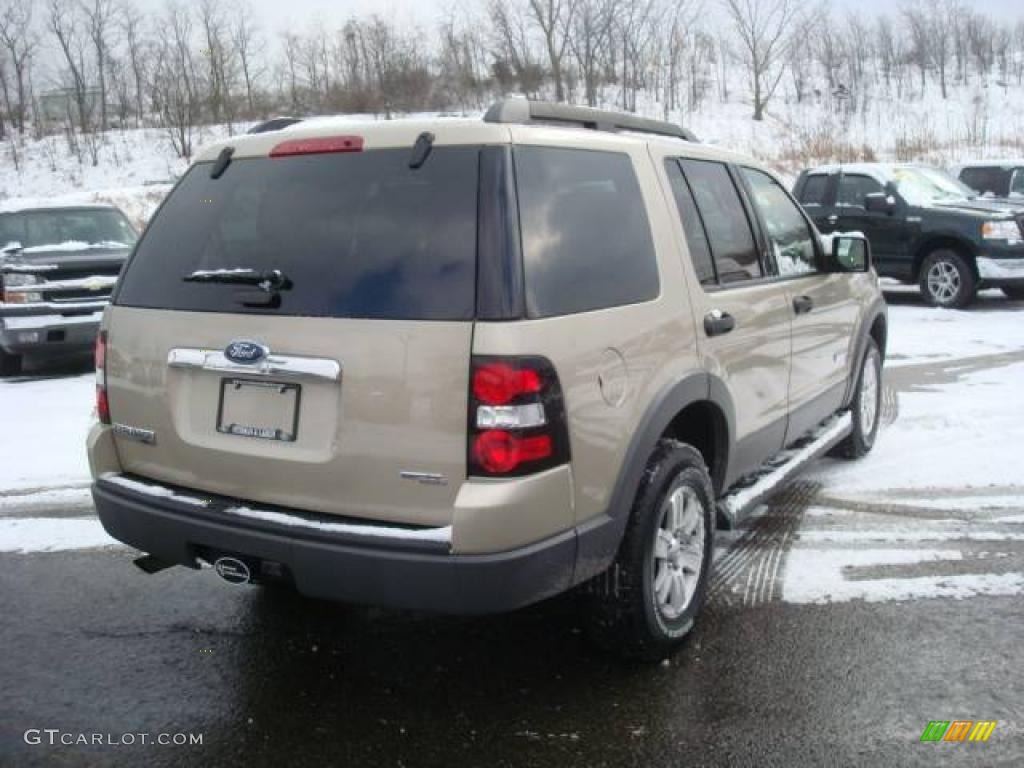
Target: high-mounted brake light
x: 318, y: 146
x: 517, y: 422
x: 100, y: 356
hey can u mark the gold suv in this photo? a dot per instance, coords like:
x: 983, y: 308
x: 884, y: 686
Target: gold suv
x: 466, y: 365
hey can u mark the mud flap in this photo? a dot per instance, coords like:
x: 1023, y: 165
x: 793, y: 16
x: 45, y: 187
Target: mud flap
x: 751, y: 490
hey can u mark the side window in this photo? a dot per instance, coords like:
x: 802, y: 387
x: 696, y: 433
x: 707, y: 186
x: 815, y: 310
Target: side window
x: 853, y: 188
x: 1017, y: 183
x: 987, y: 181
x: 813, y: 192
x: 585, y: 234
x: 696, y: 237
x: 725, y: 220
x: 791, y: 238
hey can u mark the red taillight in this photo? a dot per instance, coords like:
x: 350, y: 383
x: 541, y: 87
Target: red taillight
x: 500, y: 383
x: 517, y: 422
x: 318, y: 146
x: 499, y: 452
x: 100, y: 357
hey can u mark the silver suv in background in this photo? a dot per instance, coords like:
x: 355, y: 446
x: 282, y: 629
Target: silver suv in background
x: 58, y: 266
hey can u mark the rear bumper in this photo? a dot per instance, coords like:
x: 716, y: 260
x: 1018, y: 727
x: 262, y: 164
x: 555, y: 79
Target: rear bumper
x: 46, y: 334
x: 330, y: 558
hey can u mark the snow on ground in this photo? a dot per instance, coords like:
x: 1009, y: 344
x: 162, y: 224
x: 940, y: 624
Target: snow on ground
x: 44, y: 423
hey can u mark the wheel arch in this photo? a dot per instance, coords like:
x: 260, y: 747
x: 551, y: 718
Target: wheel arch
x: 935, y: 241
x: 695, y: 408
x: 874, y: 325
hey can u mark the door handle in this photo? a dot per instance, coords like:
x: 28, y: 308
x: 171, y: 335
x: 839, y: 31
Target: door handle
x: 803, y: 304
x: 717, y: 322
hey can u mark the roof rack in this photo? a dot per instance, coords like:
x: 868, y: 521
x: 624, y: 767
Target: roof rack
x: 549, y: 113
x: 274, y: 124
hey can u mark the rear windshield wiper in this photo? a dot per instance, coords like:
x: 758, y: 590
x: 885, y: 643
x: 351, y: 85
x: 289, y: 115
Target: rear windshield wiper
x: 268, y: 280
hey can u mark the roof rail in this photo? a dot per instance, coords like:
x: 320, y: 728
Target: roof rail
x: 274, y: 124
x: 551, y: 113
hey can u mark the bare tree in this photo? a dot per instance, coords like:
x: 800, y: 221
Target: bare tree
x: 554, y: 18
x: 99, y: 21
x: 19, y: 42
x: 765, y: 31
x: 245, y: 39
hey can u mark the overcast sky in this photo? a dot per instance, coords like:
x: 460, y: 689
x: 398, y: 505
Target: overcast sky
x: 276, y: 15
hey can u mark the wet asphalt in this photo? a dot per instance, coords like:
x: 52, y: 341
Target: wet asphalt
x: 91, y: 645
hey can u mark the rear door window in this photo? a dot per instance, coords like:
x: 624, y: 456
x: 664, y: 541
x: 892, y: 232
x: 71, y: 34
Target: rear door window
x: 586, y: 238
x: 725, y: 220
x: 813, y: 192
x: 359, y: 235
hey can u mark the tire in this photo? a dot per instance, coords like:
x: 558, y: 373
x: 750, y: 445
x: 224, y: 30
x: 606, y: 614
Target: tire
x: 646, y: 603
x: 866, y: 407
x: 947, y: 280
x: 10, y: 365
x: 1014, y: 292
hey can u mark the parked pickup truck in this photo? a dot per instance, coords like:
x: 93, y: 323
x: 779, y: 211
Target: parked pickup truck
x: 925, y: 227
x: 58, y: 266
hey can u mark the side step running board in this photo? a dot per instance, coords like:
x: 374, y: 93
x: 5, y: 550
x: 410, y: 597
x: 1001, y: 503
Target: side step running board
x: 754, y: 488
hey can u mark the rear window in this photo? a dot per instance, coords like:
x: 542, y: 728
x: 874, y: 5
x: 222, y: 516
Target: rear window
x: 585, y: 235
x: 991, y: 181
x: 359, y: 235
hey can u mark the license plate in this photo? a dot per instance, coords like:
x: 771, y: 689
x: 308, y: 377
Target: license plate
x: 265, y: 410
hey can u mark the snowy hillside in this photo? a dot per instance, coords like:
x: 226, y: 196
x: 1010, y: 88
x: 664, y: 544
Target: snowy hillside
x: 137, y: 167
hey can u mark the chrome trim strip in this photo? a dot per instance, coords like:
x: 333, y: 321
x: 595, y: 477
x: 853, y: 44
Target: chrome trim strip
x: 35, y: 322
x: 289, y: 366
x: 95, y: 283
x: 50, y: 307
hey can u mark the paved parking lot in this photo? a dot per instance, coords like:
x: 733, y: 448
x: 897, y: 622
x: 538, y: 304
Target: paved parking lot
x: 862, y: 602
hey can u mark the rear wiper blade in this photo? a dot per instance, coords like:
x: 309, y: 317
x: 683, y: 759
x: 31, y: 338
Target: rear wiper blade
x: 266, y: 279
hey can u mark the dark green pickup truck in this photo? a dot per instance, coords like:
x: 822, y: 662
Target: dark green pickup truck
x: 924, y: 226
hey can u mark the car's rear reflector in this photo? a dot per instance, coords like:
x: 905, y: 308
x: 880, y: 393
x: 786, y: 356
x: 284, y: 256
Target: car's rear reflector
x: 318, y: 146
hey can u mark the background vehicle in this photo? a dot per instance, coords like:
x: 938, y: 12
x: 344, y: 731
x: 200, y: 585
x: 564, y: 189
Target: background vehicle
x: 924, y: 227
x: 57, y: 269
x: 464, y: 366
x: 996, y: 178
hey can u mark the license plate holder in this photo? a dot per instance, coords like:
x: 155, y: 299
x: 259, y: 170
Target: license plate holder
x: 264, y: 410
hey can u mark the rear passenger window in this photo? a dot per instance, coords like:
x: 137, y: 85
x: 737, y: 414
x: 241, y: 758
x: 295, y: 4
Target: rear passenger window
x: 853, y: 189
x: 725, y: 220
x: 813, y: 192
x: 585, y: 234
x: 696, y: 237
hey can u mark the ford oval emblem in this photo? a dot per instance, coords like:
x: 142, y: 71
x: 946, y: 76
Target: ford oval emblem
x: 245, y: 352
x: 232, y: 570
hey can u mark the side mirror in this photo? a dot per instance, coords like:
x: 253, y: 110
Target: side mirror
x: 879, y: 202
x: 851, y: 252
x: 12, y: 247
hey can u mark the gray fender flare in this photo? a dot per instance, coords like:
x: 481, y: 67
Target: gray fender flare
x: 875, y: 310
x: 598, y: 539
